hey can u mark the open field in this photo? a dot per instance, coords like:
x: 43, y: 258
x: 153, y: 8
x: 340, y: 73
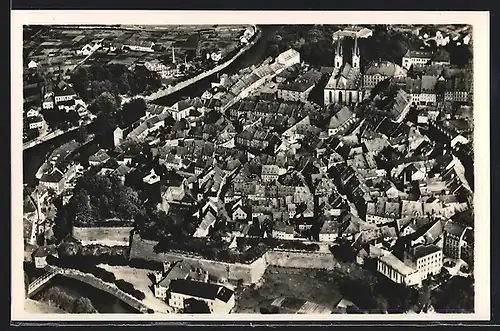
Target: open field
x: 55, y: 48
x: 312, y: 285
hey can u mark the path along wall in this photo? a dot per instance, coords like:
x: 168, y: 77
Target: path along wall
x: 294, y: 259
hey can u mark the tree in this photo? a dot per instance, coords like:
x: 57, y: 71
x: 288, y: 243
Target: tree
x: 79, y: 208
x: 195, y: 306
x: 62, y: 224
x: 27, y: 190
x: 83, y: 305
x: 68, y: 249
x: 456, y: 296
x: 216, y: 235
x: 267, y: 226
x: 81, y: 135
x: 106, y: 103
x: 240, y: 283
x: 132, y: 111
x: 26, y: 284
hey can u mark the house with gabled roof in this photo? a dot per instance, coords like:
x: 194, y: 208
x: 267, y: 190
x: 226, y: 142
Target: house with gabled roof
x: 382, y: 211
x: 415, y: 57
x: 173, y: 270
x: 341, y: 121
x: 411, y: 208
x: 427, y: 259
x: 432, y: 235
x: 208, y: 219
x: 240, y: 213
x: 57, y: 178
x: 100, y: 157
x: 329, y: 231
x: 283, y: 231
x: 64, y: 92
x: 121, y: 172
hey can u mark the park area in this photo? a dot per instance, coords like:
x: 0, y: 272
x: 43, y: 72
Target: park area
x: 313, y: 285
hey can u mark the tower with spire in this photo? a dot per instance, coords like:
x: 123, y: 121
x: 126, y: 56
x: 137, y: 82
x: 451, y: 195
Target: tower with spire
x: 173, y: 55
x: 338, y: 55
x: 355, y: 55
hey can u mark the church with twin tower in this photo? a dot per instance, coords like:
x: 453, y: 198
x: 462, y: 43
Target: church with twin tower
x: 345, y: 83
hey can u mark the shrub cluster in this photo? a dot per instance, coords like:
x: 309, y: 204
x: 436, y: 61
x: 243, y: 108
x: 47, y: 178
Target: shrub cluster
x: 130, y: 289
x: 67, y: 303
x: 93, y: 254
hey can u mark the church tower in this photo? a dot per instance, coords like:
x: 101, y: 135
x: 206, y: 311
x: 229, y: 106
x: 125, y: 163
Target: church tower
x: 338, y: 55
x: 355, y: 55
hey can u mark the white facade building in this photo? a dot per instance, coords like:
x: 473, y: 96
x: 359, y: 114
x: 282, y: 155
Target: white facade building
x: 218, y: 298
x: 415, y: 58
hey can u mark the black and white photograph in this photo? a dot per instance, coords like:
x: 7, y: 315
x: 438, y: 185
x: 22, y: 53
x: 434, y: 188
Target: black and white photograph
x: 194, y: 166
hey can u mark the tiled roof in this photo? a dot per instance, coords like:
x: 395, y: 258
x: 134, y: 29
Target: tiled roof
x: 53, y: 177
x: 201, y: 289
x: 454, y: 228
x: 424, y: 250
x: 418, y: 54
x: 329, y: 227
x: 340, y: 118
x: 385, y: 68
x: 391, y: 260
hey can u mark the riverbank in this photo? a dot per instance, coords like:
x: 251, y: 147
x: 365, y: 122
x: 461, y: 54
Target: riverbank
x: 162, y: 93
x: 102, y: 301
x: 50, y: 136
x: 46, y: 137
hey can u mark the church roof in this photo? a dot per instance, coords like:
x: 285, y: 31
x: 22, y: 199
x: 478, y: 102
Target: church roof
x: 346, y: 77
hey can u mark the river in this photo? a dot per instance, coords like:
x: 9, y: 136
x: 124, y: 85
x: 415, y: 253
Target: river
x: 253, y: 56
x: 34, y: 157
x: 102, y: 301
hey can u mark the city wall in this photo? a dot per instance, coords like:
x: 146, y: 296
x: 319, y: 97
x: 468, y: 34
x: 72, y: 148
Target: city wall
x: 249, y: 273
x: 107, y: 236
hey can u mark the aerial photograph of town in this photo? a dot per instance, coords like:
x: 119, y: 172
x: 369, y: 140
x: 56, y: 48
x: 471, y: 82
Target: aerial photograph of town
x: 248, y: 169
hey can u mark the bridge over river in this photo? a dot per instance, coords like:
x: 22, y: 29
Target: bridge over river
x: 38, y: 284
